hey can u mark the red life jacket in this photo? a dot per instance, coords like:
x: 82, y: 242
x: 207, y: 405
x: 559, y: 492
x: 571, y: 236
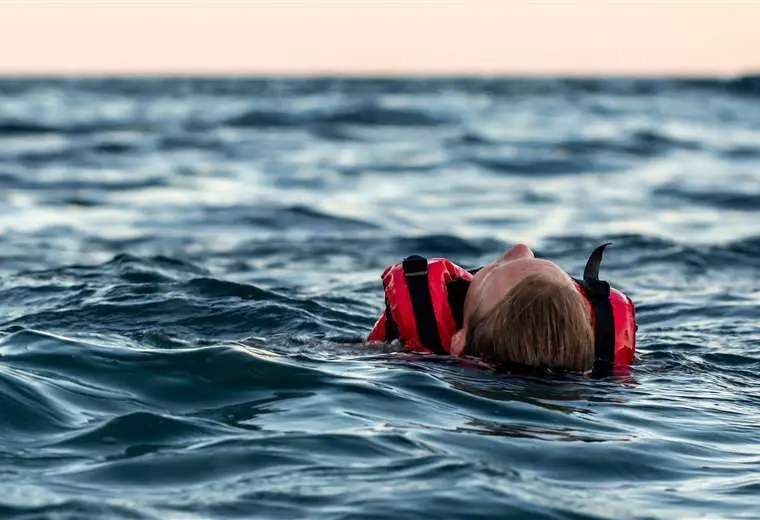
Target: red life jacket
x: 417, y: 306
x: 425, y: 300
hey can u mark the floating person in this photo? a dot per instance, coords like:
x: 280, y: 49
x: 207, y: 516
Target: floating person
x: 519, y: 313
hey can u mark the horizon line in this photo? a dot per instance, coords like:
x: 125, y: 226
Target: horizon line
x: 372, y: 74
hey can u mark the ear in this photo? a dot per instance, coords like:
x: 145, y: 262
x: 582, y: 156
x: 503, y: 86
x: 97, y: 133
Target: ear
x: 457, y: 342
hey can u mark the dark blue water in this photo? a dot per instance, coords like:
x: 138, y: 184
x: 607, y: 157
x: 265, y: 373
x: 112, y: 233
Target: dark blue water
x: 184, y: 263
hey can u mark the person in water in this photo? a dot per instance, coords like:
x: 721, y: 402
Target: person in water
x: 518, y: 312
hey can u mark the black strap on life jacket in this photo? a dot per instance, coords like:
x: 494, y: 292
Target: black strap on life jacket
x: 598, y: 294
x: 391, y: 329
x: 416, y: 275
x: 456, y: 291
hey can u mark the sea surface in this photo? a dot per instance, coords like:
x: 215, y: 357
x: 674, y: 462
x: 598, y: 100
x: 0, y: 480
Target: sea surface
x: 187, y: 268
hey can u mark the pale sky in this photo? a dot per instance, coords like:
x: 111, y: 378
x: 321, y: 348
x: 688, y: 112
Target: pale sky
x: 372, y: 37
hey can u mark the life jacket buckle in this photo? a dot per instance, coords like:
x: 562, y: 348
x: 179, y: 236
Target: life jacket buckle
x: 415, y: 265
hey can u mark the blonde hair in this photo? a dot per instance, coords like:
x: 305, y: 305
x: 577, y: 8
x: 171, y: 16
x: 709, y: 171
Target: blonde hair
x: 539, y: 324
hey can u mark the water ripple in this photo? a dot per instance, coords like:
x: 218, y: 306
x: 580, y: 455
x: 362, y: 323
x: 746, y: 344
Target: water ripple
x: 187, y: 268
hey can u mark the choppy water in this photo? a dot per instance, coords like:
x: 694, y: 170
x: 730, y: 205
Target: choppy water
x: 182, y: 262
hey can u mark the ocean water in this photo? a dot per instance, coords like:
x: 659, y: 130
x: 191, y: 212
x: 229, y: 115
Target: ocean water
x: 186, y: 266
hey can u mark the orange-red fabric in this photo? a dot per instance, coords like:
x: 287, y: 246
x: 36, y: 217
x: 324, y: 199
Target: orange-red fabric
x: 624, y: 317
x: 440, y: 273
x: 624, y: 313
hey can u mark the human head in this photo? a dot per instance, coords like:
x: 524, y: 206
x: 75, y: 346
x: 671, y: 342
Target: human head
x: 525, y: 311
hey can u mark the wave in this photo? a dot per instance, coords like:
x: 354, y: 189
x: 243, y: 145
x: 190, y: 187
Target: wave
x: 141, y: 432
x: 450, y: 246
x: 271, y: 217
x: 263, y: 119
x: 576, y: 156
x: 539, y: 166
x: 72, y: 508
x: 61, y: 189
x: 745, y: 85
x: 635, y: 257
x: 133, y: 294
x: 378, y: 116
x: 742, y: 152
x: 366, y: 115
x: 29, y: 406
x: 749, y: 85
x: 32, y: 128
x: 722, y: 199
x: 103, y: 366
x: 24, y: 128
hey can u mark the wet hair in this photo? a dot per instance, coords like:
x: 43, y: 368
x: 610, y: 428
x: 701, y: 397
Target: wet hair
x: 538, y: 325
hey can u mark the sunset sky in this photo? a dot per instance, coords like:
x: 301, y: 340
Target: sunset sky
x: 372, y: 37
